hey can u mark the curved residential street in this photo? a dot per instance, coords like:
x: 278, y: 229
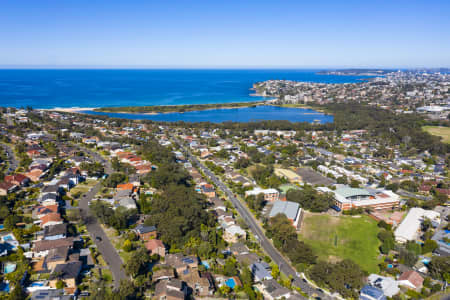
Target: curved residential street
x: 13, y: 163
x: 104, y: 246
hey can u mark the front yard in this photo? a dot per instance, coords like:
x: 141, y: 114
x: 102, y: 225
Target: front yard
x: 83, y: 187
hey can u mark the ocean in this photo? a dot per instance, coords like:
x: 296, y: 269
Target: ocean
x: 101, y: 88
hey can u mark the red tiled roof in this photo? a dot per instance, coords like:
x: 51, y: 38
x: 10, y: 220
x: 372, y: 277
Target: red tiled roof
x: 125, y: 186
x: 413, y: 277
x: 153, y: 244
x: 6, y: 185
x: 51, y: 217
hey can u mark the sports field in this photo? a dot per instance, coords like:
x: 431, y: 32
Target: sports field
x: 441, y: 131
x: 337, y: 238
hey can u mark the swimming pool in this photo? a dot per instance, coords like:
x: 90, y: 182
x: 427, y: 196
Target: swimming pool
x: 205, y: 263
x: 9, y: 268
x: 4, y: 287
x: 8, y: 238
x: 37, y: 284
x: 231, y: 283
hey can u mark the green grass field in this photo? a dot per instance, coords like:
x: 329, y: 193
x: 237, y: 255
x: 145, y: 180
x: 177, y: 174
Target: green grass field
x: 441, y: 131
x: 337, y: 238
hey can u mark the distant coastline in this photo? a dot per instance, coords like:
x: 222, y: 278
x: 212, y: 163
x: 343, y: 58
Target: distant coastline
x: 355, y: 72
x: 160, y: 109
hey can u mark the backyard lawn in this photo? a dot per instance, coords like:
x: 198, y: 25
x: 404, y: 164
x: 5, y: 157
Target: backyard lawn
x: 441, y: 131
x: 337, y: 238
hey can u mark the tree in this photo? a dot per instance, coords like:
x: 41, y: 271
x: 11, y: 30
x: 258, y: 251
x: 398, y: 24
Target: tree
x: 284, y: 237
x: 413, y: 247
x: 138, y: 262
x: 409, y: 258
x: 429, y: 246
x: 242, y: 163
x: 440, y: 268
x: 127, y: 290
x: 230, y: 268
x: 17, y: 293
x: 388, y: 241
x: 99, y: 291
x: 354, y: 183
x: 409, y: 185
x: 310, y: 199
x: 114, y: 179
x: 73, y: 214
x: 178, y: 214
x: 127, y: 246
x: 60, y: 284
x: 275, y: 271
x: 167, y: 174
x: 94, y: 169
x: 344, y: 277
x: 393, y: 187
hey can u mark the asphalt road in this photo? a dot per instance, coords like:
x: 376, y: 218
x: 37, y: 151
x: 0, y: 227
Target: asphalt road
x: 282, y: 263
x: 104, y: 246
x: 13, y: 163
x: 413, y: 195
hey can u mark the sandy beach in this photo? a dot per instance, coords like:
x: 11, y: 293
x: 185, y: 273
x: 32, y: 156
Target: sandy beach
x: 70, y: 109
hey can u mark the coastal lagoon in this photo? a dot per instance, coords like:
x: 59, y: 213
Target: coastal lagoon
x: 106, y: 88
x: 245, y: 114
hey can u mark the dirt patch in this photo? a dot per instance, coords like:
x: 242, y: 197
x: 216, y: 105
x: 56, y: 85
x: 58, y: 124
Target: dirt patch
x: 334, y: 259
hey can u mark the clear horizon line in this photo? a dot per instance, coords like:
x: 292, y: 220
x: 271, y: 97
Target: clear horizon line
x: 143, y: 67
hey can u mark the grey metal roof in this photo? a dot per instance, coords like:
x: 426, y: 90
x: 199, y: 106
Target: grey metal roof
x: 288, y: 208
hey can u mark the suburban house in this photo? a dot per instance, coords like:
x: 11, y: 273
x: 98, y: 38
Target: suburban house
x: 41, y: 210
x: 56, y: 256
x: 233, y: 233
x: 156, y: 247
x: 68, y: 273
x: 172, y: 289
x: 146, y: 233
x: 49, y: 199
x: 50, y: 294
x: 388, y: 285
x: 17, y: 179
x: 6, y: 188
x: 261, y: 271
x: 272, y: 290
x: 208, y: 190
x: 411, y: 279
x: 162, y: 273
x: 371, y: 293
x: 270, y: 195
x: 41, y: 248
x: 51, y: 219
x: 55, y: 232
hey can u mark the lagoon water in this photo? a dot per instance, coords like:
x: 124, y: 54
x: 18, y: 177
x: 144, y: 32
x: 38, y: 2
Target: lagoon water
x: 101, y: 88
x: 245, y: 114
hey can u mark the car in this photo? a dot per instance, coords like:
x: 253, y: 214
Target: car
x: 98, y: 238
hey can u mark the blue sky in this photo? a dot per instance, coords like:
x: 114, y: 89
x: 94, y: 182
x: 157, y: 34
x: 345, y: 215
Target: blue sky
x: 199, y: 33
